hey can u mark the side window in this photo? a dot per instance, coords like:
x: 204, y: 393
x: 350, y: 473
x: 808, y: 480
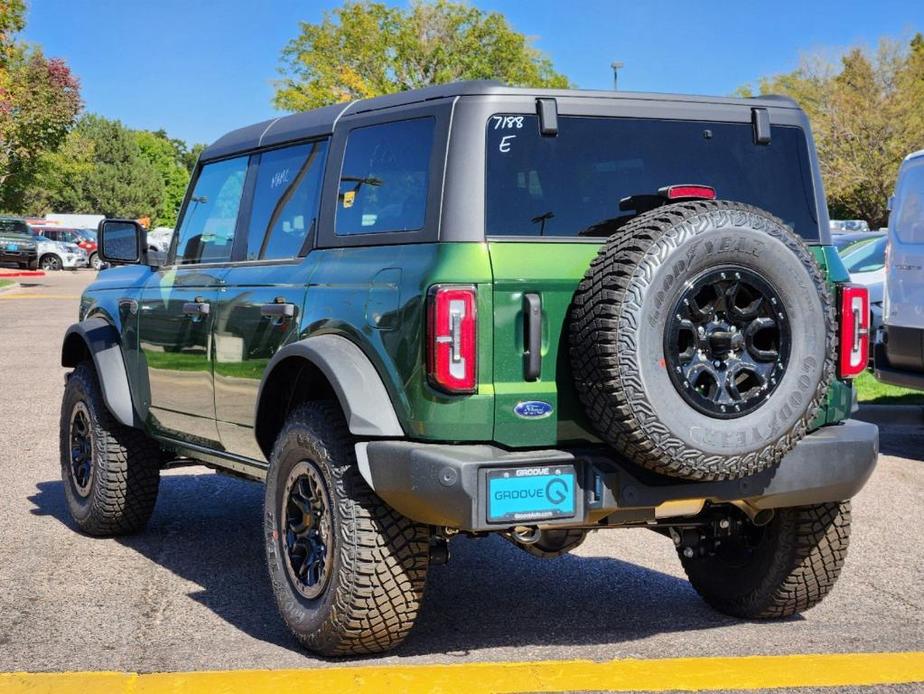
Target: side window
x: 207, y: 230
x: 385, y: 177
x: 908, y: 216
x: 285, y: 202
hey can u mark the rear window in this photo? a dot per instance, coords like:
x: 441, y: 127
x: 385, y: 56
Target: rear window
x: 908, y: 216
x: 571, y: 185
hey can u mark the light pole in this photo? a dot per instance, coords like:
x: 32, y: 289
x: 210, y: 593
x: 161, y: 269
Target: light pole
x: 616, y: 65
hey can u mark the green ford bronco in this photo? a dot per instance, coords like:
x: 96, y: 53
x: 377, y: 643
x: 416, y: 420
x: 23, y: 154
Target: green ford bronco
x: 478, y: 309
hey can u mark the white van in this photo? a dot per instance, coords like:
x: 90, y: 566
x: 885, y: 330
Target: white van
x: 900, y: 356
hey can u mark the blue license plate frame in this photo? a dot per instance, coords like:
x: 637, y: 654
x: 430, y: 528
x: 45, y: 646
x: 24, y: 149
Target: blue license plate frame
x: 527, y: 495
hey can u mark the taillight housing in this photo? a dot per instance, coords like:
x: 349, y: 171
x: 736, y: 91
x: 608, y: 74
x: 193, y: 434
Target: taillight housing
x: 452, y: 338
x: 854, y: 342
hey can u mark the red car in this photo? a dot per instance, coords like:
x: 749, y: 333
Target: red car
x: 83, y: 238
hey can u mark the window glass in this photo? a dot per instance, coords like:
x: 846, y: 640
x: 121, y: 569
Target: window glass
x: 385, y: 176
x: 207, y: 230
x: 908, y: 216
x: 866, y: 257
x: 572, y: 184
x: 285, y: 202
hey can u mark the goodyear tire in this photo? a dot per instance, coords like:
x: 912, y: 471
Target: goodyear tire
x: 785, y: 568
x: 702, y: 340
x: 347, y: 571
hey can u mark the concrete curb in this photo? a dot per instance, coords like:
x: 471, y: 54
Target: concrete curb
x: 892, y: 415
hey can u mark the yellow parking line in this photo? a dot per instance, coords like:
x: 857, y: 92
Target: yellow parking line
x: 692, y: 674
x: 12, y: 295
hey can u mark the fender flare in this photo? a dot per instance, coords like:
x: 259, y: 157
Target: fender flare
x: 359, y: 388
x: 101, y: 340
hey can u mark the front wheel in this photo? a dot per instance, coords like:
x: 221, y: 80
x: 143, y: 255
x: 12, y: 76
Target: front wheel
x: 111, y: 472
x: 50, y: 262
x: 777, y: 570
x: 95, y: 261
x: 348, y: 572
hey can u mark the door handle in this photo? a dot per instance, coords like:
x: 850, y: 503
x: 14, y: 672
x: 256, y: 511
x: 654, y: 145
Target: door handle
x: 196, y: 308
x: 277, y: 310
x: 532, y: 333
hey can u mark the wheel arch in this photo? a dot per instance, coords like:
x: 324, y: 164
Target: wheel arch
x: 324, y: 367
x: 96, y: 339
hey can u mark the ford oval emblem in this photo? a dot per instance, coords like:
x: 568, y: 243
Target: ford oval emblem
x: 533, y: 409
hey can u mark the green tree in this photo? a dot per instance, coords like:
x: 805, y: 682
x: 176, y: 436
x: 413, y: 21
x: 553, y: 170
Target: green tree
x: 366, y: 48
x: 167, y: 157
x: 39, y: 100
x: 866, y: 115
x: 101, y: 169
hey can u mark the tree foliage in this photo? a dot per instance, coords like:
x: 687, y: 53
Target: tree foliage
x: 168, y: 156
x: 367, y: 48
x: 866, y: 116
x: 39, y: 100
x: 101, y: 169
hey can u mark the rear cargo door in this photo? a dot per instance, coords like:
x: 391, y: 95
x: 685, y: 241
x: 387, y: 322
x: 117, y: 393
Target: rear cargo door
x: 905, y: 270
x: 533, y: 286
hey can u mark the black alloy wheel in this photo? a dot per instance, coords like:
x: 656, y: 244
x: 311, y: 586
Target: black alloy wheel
x: 80, y: 436
x: 727, y: 342
x: 306, y: 529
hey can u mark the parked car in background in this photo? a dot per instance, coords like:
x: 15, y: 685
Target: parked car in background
x: 59, y: 255
x: 900, y: 350
x: 159, y: 240
x: 17, y: 244
x: 843, y: 240
x: 849, y: 225
x: 78, y: 237
x: 865, y: 261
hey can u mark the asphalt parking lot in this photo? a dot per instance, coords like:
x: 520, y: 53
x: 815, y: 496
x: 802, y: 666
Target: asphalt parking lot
x: 190, y: 593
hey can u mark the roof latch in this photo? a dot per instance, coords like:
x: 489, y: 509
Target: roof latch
x: 760, y: 119
x: 548, y: 117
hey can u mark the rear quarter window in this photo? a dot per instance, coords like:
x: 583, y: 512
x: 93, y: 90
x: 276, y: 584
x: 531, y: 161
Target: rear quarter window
x: 385, y: 178
x: 908, y: 215
x: 571, y: 185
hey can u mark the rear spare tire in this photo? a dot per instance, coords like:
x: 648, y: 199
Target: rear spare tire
x: 702, y: 340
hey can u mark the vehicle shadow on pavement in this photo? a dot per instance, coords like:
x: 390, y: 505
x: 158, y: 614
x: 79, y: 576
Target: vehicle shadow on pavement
x: 206, y: 530
x: 902, y: 441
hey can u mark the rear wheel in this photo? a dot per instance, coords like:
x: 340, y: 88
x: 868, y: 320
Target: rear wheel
x: 111, y: 472
x: 95, y: 261
x: 348, y: 572
x: 778, y: 570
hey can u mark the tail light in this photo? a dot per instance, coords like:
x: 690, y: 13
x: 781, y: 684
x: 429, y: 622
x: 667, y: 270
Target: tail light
x: 451, y: 338
x: 854, y: 330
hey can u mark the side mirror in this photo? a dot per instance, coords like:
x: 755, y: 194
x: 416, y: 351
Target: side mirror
x: 121, y: 241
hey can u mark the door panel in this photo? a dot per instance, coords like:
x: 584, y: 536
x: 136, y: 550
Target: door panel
x: 177, y: 348
x: 258, y: 313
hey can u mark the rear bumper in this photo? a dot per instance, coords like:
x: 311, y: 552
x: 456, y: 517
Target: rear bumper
x: 445, y: 485
x: 886, y: 372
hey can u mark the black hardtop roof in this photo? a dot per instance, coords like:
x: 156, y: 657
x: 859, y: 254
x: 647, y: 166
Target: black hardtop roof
x: 320, y: 122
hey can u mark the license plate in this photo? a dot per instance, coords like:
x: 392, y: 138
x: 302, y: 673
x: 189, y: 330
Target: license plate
x: 12, y: 247
x: 531, y: 494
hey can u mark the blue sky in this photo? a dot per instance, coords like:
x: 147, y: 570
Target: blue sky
x: 198, y: 68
